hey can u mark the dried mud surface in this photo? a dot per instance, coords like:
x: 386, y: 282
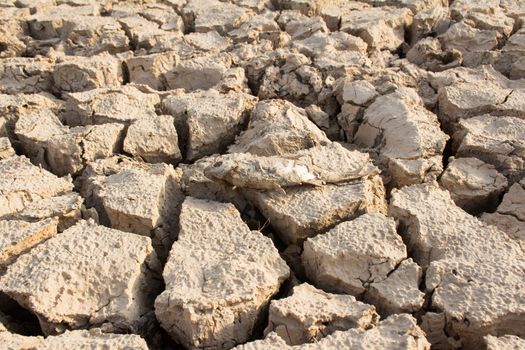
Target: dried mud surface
x: 262, y: 174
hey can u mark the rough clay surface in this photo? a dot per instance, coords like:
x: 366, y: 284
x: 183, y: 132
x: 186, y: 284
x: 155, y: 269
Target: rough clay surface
x: 86, y: 276
x: 153, y: 139
x: 264, y: 154
x: 22, y: 183
x: 411, y: 156
x: 462, y: 257
x: 495, y: 140
x: 354, y: 254
x: 301, y: 212
x: 310, y: 314
x: 396, y: 332
x: 507, y: 342
x: 473, y: 184
x: 209, y: 121
x: 19, y: 236
x: 399, y: 292
x: 311, y: 166
x: 79, y: 339
x: 219, y: 277
x: 278, y: 127
x: 509, y: 217
x: 142, y: 200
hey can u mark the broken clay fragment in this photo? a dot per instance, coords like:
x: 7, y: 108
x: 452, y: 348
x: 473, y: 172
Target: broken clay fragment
x: 310, y: 314
x: 219, y: 277
x: 354, y: 254
x: 86, y: 276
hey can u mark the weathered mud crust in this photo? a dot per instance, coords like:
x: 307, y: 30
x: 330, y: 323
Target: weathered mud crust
x: 86, y: 276
x: 354, y: 254
x: 324, y: 174
x: 20, y: 236
x: 310, y: 314
x: 302, y: 212
x: 219, y: 277
x: 396, y: 332
x: 135, y: 198
x: 22, y: 183
x: 473, y: 184
x: 459, y: 253
x: 79, y: 339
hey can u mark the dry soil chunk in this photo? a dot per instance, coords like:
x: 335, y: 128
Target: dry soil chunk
x: 209, y: 41
x: 110, y: 105
x: 34, y: 129
x: 17, y: 237
x: 164, y: 15
x: 75, y: 74
x: 513, y: 50
x: 354, y: 254
x: 78, y: 339
x: 207, y: 15
x: 313, y: 166
x: 398, y: 332
x: 219, y: 277
x: 332, y: 52
x: 257, y: 28
x: 67, y: 208
x: 21, y: 75
x: 68, y: 153
x: 510, y: 215
x: 433, y: 20
x: 22, y: 183
x: 506, y: 342
x: 407, y: 136
x: 12, y: 31
x: 142, y: 201
x: 465, y: 97
x: 208, y: 120
x: 357, y: 92
x: 399, y: 292
x: 304, y: 211
x: 429, y: 54
x: 146, y: 34
x: 196, y: 184
x: 474, y: 271
x: 150, y: 69
x: 382, y: 28
x: 91, y: 35
x: 86, y: 276
x: 289, y: 75
x: 473, y: 184
x: 93, y: 339
x: 310, y: 314
x: 470, y: 41
x: 301, y: 27
x: 486, y: 14
x: 499, y: 141
x: 155, y: 140
x: 201, y: 72
x: 48, y: 23
x: 278, y: 127
x: 13, y: 106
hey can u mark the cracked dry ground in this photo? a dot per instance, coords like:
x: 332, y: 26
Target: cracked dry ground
x: 262, y: 174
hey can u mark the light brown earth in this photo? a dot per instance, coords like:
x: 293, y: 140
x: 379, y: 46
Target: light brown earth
x: 262, y: 174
